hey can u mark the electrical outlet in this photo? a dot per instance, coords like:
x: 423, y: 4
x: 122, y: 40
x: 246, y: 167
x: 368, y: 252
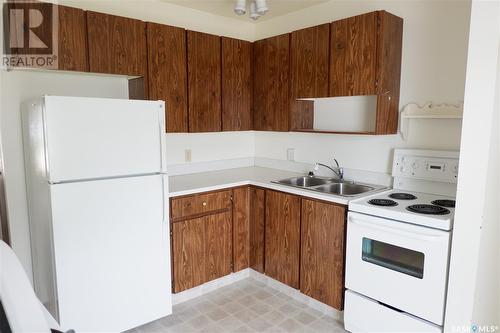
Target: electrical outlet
x: 290, y: 154
x: 187, y: 155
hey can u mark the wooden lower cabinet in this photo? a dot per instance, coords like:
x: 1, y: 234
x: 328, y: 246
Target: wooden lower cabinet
x: 248, y: 228
x: 201, y: 250
x: 241, y: 228
x: 282, y: 237
x: 295, y: 240
x: 218, y: 245
x: 188, y: 239
x: 322, y: 252
x: 257, y: 228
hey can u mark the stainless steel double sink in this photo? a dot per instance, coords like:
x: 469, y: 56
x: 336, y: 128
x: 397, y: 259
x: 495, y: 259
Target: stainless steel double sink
x: 328, y: 185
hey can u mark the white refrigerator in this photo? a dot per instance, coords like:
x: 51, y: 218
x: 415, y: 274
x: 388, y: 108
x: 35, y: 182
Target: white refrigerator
x: 98, y: 207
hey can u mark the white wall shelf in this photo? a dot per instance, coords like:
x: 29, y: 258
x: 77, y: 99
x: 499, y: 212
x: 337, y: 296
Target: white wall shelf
x: 427, y: 111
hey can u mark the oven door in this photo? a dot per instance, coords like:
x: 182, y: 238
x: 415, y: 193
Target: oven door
x: 399, y: 264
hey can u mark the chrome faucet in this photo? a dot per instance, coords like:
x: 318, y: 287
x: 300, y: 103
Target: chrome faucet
x: 339, y: 172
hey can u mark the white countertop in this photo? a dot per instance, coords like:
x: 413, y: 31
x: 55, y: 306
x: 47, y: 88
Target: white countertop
x: 258, y: 176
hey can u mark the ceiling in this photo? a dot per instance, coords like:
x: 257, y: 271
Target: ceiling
x: 225, y: 7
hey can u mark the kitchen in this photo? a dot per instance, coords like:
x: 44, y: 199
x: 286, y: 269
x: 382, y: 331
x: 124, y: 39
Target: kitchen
x: 433, y: 64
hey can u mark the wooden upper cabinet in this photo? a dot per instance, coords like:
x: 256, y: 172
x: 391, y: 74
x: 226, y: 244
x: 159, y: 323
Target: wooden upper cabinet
x: 282, y: 237
x: 167, y: 69
x: 117, y: 45
x: 204, y: 82
x: 236, y: 85
x: 310, y: 49
x: 72, y: 39
x: 322, y: 251
x: 354, y: 56
x: 365, y: 59
x: 389, y: 54
x: 271, y: 83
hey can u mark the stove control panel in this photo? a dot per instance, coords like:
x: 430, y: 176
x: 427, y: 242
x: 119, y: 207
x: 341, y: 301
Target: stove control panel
x: 426, y: 165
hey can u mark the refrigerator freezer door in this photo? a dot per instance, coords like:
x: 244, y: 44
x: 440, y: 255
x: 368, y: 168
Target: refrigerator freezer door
x: 89, y: 138
x: 112, y: 253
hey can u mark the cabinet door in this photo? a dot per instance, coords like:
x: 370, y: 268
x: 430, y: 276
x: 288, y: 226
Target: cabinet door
x: 310, y: 49
x: 204, y: 82
x: 241, y: 227
x: 117, y: 45
x: 257, y: 228
x: 271, y: 83
x: 218, y: 245
x: 322, y: 252
x: 236, y: 85
x: 353, y: 56
x: 168, y: 73
x: 188, y: 253
x: 73, y: 55
x: 282, y: 237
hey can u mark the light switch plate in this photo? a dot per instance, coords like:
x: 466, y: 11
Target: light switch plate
x: 290, y: 154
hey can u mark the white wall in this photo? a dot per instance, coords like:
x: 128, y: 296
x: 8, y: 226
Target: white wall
x: 473, y: 286
x: 487, y: 294
x: 433, y: 69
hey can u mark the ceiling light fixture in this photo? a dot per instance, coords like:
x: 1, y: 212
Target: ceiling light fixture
x: 240, y: 7
x: 253, y: 11
x: 257, y: 8
x: 261, y: 6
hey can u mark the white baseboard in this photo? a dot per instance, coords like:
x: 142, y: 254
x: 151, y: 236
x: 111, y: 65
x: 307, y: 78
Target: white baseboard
x: 250, y: 273
x: 210, y: 286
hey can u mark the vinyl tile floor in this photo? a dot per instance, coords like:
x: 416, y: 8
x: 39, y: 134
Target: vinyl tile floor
x: 244, y: 306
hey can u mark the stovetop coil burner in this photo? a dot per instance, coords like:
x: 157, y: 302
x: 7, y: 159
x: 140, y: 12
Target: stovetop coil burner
x: 383, y: 202
x: 402, y: 196
x: 428, y: 209
x: 444, y: 203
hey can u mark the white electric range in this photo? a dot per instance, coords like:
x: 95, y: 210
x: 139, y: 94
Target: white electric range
x: 398, y: 244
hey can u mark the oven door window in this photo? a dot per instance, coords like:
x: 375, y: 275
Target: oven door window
x: 393, y: 257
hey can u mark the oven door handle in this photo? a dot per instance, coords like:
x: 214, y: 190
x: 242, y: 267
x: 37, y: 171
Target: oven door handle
x: 401, y: 229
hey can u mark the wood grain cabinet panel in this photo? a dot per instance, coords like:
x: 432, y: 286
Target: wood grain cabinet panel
x: 322, y: 252
x: 117, y: 45
x: 271, y: 83
x: 218, y: 246
x: 241, y: 227
x: 204, y: 82
x: 236, y: 85
x: 354, y: 55
x: 282, y: 237
x: 188, y: 254
x: 248, y: 228
x: 257, y: 228
x: 390, y: 48
x: 310, y: 49
x: 200, y: 204
x: 72, y: 39
x: 167, y: 69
